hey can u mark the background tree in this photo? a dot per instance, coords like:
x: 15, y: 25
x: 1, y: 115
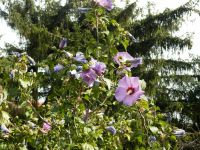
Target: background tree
x: 168, y: 80
x: 45, y: 105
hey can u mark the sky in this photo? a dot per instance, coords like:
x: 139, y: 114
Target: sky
x: 191, y: 26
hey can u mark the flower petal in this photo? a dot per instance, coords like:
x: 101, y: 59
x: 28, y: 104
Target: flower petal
x: 125, y: 82
x: 135, y: 62
x: 134, y: 81
x: 120, y: 94
x: 128, y: 100
x: 131, y: 99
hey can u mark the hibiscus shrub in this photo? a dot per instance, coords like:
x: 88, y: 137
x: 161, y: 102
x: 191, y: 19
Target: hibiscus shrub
x: 84, y: 95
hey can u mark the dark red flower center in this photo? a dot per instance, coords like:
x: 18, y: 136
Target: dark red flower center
x: 130, y: 90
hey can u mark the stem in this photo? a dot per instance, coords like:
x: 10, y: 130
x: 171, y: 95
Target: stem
x: 97, y: 26
x: 144, y: 123
x: 37, y: 113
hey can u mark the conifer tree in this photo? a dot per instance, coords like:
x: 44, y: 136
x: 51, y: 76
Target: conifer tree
x: 168, y: 81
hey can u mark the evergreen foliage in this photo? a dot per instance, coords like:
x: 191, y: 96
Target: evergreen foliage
x: 170, y: 80
x: 173, y: 83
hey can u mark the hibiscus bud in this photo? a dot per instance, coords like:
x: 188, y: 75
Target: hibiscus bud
x: 46, y: 127
x: 80, y: 57
x: 58, y: 67
x: 63, y: 43
x: 111, y: 129
x: 152, y: 138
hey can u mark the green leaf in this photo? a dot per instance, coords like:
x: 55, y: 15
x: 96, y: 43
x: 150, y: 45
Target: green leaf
x: 24, y: 83
x: 4, y: 117
x: 139, y: 139
x: 173, y: 138
x: 105, y: 32
x: 125, y: 43
x: 86, y: 146
x: 143, y: 104
x: 87, y: 130
x: 153, y: 129
x: 3, y: 95
x: 108, y: 83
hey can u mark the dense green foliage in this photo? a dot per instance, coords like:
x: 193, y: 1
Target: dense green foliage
x: 79, y: 115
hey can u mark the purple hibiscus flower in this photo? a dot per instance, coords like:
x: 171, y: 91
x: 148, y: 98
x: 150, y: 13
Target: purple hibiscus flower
x: 89, y: 76
x: 126, y: 61
x: 46, y: 127
x: 152, y: 138
x: 105, y: 3
x: 98, y: 67
x: 128, y: 90
x: 111, y: 129
x: 63, y: 43
x: 58, y: 67
x: 80, y: 57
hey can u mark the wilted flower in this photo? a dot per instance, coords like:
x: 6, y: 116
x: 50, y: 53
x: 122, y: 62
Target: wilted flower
x: 111, y: 129
x: 58, y: 67
x: 128, y: 90
x: 80, y: 57
x: 98, y: 67
x: 126, y: 61
x: 89, y: 76
x: 179, y: 132
x: 4, y: 129
x: 46, y: 127
x: 63, y: 43
x: 105, y: 3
